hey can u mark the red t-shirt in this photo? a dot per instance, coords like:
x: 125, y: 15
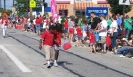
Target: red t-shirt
x: 4, y: 21
x: 41, y: 19
x: 47, y: 22
x: 92, y: 38
x: 38, y: 21
x: 48, y: 38
x: 66, y: 24
x: 79, y: 31
x: 57, y: 37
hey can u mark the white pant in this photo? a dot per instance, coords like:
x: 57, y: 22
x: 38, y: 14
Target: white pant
x: 4, y: 30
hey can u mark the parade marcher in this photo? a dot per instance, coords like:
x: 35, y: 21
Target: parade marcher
x: 47, y: 40
x: 57, y: 45
x: 4, y: 25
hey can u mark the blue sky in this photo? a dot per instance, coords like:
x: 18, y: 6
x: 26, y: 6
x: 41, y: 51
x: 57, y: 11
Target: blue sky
x: 9, y: 3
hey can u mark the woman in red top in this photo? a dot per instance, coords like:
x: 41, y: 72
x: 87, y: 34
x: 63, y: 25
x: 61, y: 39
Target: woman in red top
x: 57, y: 45
x: 79, y: 34
x: 38, y: 25
x: 92, y: 42
x: 66, y: 28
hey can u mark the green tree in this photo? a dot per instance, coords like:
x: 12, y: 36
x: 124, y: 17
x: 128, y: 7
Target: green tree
x: 22, y: 5
x: 9, y: 12
x: 1, y: 10
x: 116, y: 8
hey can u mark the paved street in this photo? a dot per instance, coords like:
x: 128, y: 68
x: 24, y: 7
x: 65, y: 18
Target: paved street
x: 76, y: 62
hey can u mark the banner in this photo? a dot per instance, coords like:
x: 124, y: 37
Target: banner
x: 54, y: 10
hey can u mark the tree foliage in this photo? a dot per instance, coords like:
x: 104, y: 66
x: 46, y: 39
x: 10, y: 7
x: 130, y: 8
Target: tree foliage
x: 116, y: 8
x: 8, y: 11
x: 23, y: 5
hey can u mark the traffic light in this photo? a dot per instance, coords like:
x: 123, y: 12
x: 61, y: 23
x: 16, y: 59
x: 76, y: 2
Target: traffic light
x: 45, y: 4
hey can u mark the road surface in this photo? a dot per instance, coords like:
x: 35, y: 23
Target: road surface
x: 20, y: 57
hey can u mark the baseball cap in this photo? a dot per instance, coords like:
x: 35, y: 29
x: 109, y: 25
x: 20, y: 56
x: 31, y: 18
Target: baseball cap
x: 102, y: 15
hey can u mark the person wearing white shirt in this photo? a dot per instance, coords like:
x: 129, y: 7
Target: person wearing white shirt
x: 102, y: 30
x: 59, y: 19
x: 113, y: 31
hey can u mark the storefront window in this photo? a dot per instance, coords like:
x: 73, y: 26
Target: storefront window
x: 80, y: 12
x: 63, y: 12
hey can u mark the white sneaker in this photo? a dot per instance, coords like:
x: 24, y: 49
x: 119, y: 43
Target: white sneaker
x: 49, y: 66
x: 132, y: 57
x: 55, y: 64
x: 122, y: 56
x: 115, y: 51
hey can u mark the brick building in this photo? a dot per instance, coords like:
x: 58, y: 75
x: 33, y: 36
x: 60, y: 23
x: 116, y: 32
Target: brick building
x: 78, y: 7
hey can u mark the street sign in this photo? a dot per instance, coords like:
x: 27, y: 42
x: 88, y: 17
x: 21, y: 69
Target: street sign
x: 32, y: 4
x: 124, y: 2
x: 98, y: 11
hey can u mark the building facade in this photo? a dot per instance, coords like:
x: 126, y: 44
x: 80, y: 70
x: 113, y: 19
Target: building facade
x: 78, y: 7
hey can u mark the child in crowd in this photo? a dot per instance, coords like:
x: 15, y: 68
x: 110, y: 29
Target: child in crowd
x: 32, y: 26
x: 88, y: 28
x: 92, y: 42
x: 79, y: 35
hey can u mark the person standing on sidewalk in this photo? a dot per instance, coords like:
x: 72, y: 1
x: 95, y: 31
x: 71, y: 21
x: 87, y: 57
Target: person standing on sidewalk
x: 95, y: 21
x: 127, y: 25
x: 47, y: 40
x: 4, y: 23
x: 66, y: 28
x: 114, y: 32
x: 102, y: 30
x: 38, y: 26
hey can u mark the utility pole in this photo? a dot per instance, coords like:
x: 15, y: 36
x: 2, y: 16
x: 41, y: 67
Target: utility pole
x: 43, y: 7
x: 0, y: 4
x: 27, y: 5
x: 4, y: 5
x: 13, y: 3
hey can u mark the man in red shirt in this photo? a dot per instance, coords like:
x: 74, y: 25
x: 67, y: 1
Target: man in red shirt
x: 41, y: 21
x: 47, y: 38
x: 4, y: 23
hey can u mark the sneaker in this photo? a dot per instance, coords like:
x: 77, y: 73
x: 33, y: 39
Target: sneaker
x: 49, y: 66
x: 122, y: 56
x: 56, y: 64
x: 115, y: 51
x: 132, y: 57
